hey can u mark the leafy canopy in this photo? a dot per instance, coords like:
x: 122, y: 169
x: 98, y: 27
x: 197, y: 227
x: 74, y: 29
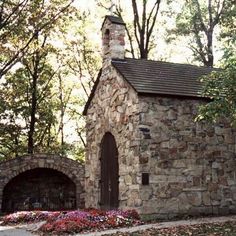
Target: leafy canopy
x: 221, y: 88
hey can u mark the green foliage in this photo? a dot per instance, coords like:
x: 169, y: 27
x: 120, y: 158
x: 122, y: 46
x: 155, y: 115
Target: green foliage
x: 20, y: 23
x: 228, y: 34
x: 80, y: 54
x: 59, y: 64
x: 202, y: 23
x: 220, y: 86
x: 15, y: 117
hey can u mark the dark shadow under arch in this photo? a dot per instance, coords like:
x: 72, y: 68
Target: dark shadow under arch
x: 109, y: 173
x: 39, y: 188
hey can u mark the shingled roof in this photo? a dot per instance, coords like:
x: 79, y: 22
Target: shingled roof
x: 163, y: 78
x: 159, y: 78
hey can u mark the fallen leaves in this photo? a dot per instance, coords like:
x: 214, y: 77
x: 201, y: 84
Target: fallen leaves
x: 207, y: 229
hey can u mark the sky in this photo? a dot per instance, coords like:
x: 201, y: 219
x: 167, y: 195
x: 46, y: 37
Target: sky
x: 176, y: 51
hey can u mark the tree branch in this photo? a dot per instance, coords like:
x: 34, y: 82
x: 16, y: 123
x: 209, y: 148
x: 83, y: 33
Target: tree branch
x: 14, y: 59
x: 150, y: 30
x: 204, y: 28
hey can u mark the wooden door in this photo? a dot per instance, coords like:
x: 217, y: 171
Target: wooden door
x: 109, y: 173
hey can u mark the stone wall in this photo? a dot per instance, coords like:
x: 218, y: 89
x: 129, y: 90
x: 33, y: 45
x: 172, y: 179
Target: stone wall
x: 191, y: 165
x: 70, y: 168
x: 114, y: 109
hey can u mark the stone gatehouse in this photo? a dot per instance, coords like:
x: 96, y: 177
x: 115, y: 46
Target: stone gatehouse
x: 41, y: 181
x: 144, y: 149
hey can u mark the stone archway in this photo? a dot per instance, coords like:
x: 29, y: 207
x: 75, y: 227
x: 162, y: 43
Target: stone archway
x: 68, y: 172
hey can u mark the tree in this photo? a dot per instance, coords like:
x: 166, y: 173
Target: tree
x: 228, y: 35
x: 34, y: 62
x: 199, y: 20
x: 80, y: 54
x: 221, y: 88
x: 47, y: 91
x: 142, y: 27
x: 40, y: 75
x: 18, y: 15
x: 80, y: 59
x: 28, y: 107
x: 220, y: 85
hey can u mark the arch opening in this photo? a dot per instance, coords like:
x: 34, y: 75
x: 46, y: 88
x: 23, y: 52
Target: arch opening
x: 106, y: 38
x: 109, y: 184
x: 39, y: 189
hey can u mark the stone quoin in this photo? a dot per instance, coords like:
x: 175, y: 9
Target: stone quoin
x: 144, y: 149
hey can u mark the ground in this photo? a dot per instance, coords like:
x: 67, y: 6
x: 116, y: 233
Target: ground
x: 211, y: 226
x: 20, y: 230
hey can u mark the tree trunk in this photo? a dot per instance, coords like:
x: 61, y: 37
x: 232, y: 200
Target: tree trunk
x: 33, y: 105
x: 61, y: 127
x: 210, y: 57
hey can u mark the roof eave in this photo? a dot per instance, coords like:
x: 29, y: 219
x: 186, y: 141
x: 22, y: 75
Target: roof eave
x: 181, y: 96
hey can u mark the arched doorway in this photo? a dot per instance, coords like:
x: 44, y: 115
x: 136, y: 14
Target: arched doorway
x: 109, y: 173
x: 39, y: 188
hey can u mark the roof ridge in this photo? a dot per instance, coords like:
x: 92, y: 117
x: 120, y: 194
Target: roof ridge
x: 165, y: 62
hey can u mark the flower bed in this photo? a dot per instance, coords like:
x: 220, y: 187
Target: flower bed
x: 76, y: 221
x: 90, y: 220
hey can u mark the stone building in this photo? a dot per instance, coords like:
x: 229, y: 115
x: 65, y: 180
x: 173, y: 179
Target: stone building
x: 144, y: 149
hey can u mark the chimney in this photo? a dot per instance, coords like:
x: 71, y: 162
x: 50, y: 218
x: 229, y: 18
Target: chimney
x: 113, y: 39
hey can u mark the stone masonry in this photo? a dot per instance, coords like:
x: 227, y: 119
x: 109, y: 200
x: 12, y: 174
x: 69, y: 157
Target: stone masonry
x: 191, y: 165
x: 73, y: 170
x: 113, y: 109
